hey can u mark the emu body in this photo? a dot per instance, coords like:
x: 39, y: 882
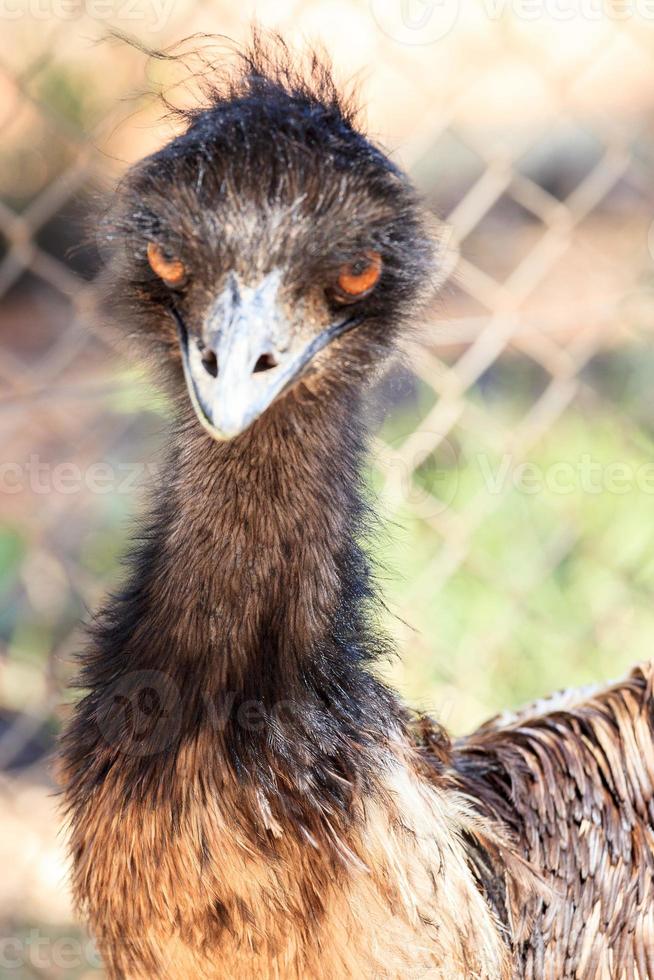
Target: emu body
x: 246, y: 798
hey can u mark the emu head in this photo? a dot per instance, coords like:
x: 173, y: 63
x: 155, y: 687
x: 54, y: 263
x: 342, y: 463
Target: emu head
x: 269, y: 249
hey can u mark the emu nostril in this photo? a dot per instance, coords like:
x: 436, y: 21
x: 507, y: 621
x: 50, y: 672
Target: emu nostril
x: 210, y: 362
x: 265, y: 363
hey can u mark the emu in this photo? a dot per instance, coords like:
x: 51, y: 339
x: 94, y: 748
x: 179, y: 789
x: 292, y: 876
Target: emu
x: 246, y: 798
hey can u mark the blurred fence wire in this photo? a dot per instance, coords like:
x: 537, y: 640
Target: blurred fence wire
x: 518, y: 450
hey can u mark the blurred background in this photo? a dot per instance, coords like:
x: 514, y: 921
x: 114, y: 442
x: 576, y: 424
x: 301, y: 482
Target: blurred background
x: 513, y: 461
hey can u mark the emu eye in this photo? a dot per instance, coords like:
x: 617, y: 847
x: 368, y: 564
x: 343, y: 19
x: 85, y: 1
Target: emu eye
x: 358, y: 278
x: 172, y: 271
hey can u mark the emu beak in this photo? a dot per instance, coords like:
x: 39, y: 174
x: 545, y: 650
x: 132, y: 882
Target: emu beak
x: 246, y: 357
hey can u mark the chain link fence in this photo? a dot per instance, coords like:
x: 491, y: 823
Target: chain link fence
x: 513, y: 451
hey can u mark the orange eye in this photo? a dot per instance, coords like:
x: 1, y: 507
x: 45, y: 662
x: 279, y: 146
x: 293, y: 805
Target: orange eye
x: 359, y: 277
x: 172, y: 271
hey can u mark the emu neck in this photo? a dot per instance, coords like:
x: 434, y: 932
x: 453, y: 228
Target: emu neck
x: 259, y: 556
x: 251, y: 584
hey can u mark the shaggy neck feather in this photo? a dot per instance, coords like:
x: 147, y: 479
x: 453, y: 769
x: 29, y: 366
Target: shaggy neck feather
x: 249, y: 602
x: 257, y: 544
